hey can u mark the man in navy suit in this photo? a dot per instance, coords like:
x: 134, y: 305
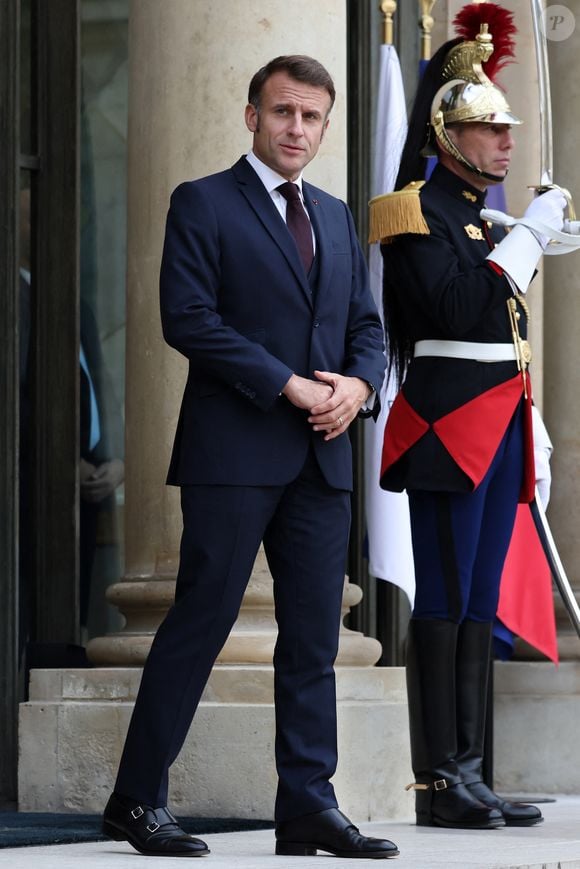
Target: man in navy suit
x: 265, y: 292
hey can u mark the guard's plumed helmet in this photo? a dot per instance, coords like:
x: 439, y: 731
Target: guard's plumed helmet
x: 457, y: 86
x: 468, y: 93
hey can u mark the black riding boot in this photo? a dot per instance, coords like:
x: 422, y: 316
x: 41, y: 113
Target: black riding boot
x: 441, y: 798
x: 473, y: 661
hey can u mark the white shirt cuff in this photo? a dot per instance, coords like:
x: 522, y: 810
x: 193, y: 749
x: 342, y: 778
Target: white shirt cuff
x: 518, y: 256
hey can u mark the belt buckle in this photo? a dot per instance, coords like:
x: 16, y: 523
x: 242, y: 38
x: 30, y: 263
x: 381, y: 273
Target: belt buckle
x: 440, y: 784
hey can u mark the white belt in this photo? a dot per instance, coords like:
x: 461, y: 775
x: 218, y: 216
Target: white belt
x: 475, y: 350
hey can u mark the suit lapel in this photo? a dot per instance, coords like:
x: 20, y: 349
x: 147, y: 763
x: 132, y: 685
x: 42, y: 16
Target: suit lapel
x: 323, y: 242
x: 261, y: 203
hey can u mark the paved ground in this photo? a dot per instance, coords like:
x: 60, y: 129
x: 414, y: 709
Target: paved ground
x: 555, y: 844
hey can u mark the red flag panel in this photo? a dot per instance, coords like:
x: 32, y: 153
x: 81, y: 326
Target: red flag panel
x: 526, y: 602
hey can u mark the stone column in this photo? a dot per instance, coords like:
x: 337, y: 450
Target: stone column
x: 562, y: 337
x: 190, y: 65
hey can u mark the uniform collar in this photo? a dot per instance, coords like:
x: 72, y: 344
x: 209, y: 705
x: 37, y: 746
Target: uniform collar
x: 458, y: 188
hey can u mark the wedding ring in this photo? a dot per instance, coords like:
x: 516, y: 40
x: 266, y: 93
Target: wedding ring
x: 340, y: 420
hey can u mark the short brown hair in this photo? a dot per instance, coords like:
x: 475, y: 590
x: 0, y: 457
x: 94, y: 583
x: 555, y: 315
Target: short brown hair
x: 299, y: 67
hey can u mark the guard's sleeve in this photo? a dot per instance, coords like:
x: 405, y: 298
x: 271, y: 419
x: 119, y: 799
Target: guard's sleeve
x: 430, y: 278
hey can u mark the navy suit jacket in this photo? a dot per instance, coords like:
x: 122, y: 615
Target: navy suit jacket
x: 235, y: 300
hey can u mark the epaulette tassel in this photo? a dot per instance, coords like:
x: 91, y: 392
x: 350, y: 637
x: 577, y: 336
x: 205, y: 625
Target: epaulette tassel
x: 396, y: 213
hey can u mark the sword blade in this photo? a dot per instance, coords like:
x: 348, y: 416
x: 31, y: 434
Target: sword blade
x: 541, y: 43
x: 556, y: 567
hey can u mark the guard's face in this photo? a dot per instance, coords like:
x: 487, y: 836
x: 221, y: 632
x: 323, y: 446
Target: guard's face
x: 487, y: 146
x: 289, y: 125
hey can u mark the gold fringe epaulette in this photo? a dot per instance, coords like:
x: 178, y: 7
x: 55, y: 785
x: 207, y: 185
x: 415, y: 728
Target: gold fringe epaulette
x: 396, y: 213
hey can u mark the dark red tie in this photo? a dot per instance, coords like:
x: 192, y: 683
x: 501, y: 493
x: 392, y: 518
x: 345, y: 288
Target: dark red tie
x: 298, y: 223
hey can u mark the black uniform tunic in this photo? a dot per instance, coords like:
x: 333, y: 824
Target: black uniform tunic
x: 447, y: 290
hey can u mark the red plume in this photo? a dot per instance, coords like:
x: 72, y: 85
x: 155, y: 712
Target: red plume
x: 501, y: 26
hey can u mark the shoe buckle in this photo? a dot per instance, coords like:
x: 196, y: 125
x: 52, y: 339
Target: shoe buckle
x: 153, y: 827
x: 440, y: 784
x: 137, y: 812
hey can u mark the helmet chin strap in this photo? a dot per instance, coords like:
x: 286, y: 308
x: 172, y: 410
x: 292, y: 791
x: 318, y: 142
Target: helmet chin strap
x: 452, y: 149
x: 497, y: 179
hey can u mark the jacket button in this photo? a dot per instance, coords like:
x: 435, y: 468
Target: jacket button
x: 316, y: 324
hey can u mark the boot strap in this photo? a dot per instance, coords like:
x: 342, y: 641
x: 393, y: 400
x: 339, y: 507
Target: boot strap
x: 439, y: 784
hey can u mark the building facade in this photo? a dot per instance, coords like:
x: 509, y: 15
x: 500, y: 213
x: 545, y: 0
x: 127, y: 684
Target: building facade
x: 105, y: 105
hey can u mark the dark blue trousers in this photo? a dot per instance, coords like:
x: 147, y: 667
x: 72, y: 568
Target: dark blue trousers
x: 305, y: 527
x: 460, y: 541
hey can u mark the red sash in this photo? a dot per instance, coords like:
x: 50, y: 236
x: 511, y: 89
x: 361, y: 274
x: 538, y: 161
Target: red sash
x: 471, y: 434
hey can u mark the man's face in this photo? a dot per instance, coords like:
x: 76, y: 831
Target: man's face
x: 487, y: 146
x: 289, y: 125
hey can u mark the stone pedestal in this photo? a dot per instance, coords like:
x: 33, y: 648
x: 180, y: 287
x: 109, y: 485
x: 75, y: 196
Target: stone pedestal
x: 537, y: 710
x: 73, y: 727
x: 72, y: 731
x: 253, y: 636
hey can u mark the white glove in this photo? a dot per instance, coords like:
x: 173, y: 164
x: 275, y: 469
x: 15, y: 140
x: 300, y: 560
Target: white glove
x: 542, y: 451
x: 520, y: 250
x: 548, y: 209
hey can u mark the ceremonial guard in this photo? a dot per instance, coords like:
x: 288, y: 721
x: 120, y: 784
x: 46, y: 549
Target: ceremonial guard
x: 459, y: 436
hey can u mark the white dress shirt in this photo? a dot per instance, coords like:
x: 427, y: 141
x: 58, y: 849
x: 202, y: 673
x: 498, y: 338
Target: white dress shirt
x: 271, y: 180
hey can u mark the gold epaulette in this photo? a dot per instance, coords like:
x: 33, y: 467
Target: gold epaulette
x: 396, y: 213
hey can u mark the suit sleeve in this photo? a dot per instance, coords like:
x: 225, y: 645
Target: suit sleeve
x: 190, y: 285
x: 364, y: 344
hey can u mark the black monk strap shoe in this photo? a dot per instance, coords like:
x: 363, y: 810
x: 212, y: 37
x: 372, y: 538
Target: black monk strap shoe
x: 515, y: 814
x: 154, y: 832
x: 329, y: 831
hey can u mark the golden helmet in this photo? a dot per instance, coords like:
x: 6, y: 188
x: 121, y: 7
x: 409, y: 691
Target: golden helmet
x: 467, y: 94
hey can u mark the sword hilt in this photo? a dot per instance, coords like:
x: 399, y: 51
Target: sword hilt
x: 543, y: 188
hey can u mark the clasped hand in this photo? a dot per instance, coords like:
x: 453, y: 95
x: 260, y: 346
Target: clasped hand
x: 332, y: 399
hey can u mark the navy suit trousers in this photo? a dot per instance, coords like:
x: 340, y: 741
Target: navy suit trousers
x: 304, y: 526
